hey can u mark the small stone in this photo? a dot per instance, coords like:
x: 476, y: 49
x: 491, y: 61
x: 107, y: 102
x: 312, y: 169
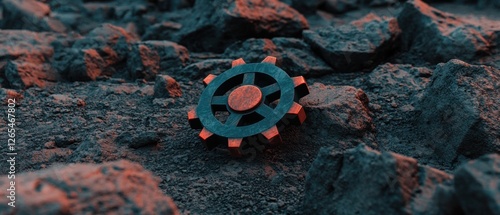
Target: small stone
x: 166, y: 87
x: 50, y: 145
x: 62, y: 141
x: 138, y: 140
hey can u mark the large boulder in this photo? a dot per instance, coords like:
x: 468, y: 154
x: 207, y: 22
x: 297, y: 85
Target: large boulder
x: 213, y: 25
x: 359, y: 45
x: 120, y: 187
x: 478, y: 186
x: 292, y: 55
x: 437, y: 36
x: 363, y: 181
x: 459, y: 111
x: 336, y: 113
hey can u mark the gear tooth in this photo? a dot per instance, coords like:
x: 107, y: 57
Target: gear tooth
x: 193, y: 119
x: 209, y: 139
x: 301, y: 88
x: 237, y: 62
x: 234, y: 146
x: 296, y: 114
x: 270, y: 59
x: 209, y: 79
x: 272, y: 135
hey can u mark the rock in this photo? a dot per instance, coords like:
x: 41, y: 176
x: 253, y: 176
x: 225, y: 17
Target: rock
x: 26, y: 56
x: 6, y: 94
x: 91, y: 151
x: 359, y: 45
x: 161, y: 30
x: 333, y: 111
x: 304, y: 7
x: 459, y: 114
x: 61, y: 99
x: 115, y: 38
x: 395, y: 184
x: 138, y: 140
x: 477, y: 185
x: 63, y: 141
x: 172, y: 5
x: 149, y: 57
x: 33, y: 47
x: 87, y: 65
x: 203, y: 68
x: 29, y: 14
x: 293, y: 55
x: 437, y: 36
x: 114, y: 187
x: 403, y: 84
x: 166, y: 87
x: 67, y: 6
x: 216, y: 24
x: 340, y: 6
x: 22, y: 75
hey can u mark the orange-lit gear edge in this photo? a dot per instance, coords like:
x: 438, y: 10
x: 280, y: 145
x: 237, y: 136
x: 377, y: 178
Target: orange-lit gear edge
x: 247, y: 98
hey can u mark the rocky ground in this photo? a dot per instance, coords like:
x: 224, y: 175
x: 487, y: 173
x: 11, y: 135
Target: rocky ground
x: 403, y: 115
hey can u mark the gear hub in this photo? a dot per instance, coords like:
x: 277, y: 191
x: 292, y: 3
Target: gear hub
x: 249, y: 102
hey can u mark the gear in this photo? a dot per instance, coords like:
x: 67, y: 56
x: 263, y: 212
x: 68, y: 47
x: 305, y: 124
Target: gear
x: 249, y: 101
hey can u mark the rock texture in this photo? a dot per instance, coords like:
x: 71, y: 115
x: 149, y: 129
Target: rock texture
x: 21, y: 75
x: 292, y: 55
x: 86, y: 65
x: 459, y: 114
x: 336, y: 112
x: 29, y: 14
x: 217, y: 24
x: 394, y: 184
x: 437, y: 36
x: 356, y: 46
x: 119, y: 187
x: 166, y: 86
x: 148, y: 58
x: 477, y: 185
x: 203, y: 68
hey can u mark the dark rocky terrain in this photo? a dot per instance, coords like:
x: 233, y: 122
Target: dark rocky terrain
x: 403, y: 115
